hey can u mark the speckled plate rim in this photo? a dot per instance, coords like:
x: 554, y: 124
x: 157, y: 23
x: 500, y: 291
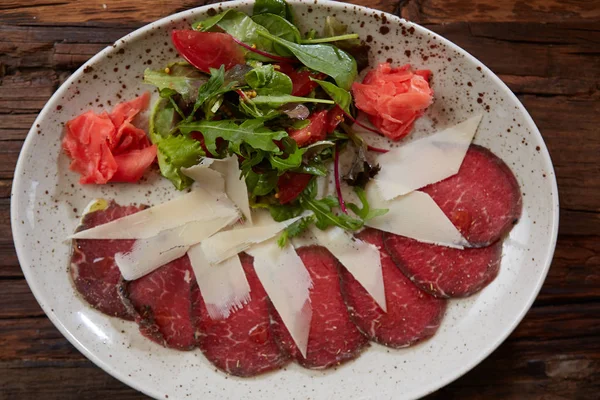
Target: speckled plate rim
x: 50, y: 105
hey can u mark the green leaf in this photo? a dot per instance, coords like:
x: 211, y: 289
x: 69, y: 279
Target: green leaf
x: 365, y: 211
x: 331, y: 39
x: 162, y: 120
x: 210, y: 91
x: 252, y: 132
x: 242, y: 27
x: 276, y: 101
x: 266, y: 81
x: 261, y: 184
x: 295, y: 229
x: 280, y: 27
x: 294, y: 156
x: 176, y: 152
x: 277, y: 7
x: 324, y: 58
x: 342, y: 97
x: 182, y: 78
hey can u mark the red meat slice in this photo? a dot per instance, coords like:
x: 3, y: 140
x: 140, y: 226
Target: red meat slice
x: 333, y: 338
x: 443, y: 271
x: 93, y: 269
x: 241, y: 344
x: 483, y: 200
x: 412, y: 315
x: 163, y: 302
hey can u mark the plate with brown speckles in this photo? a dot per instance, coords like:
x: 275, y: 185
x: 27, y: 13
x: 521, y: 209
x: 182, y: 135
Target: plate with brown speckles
x: 47, y: 202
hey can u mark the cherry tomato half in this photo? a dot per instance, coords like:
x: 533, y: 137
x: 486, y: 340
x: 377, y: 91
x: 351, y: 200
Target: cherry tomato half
x: 206, y: 50
x: 313, y: 132
x: 290, y: 185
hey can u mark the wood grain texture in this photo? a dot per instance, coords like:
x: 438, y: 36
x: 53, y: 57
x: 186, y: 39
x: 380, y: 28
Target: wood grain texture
x: 548, y: 53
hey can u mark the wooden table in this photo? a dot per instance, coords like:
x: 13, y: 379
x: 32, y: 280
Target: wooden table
x: 547, y: 51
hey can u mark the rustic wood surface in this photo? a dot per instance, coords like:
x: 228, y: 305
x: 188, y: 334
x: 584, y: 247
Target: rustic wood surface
x: 547, y: 51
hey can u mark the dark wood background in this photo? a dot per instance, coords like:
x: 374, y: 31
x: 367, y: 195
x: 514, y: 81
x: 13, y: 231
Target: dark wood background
x: 547, y: 51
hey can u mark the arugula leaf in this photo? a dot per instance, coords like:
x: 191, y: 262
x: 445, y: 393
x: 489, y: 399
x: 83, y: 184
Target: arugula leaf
x: 342, y: 97
x: 210, y: 91
x: 365, y: 212
x: 323, y: 210
x: 275, y: 101
x: 242, y: 27
x: 261, y: 184
x: 176, y: 152
x: 279, y: 27
x: 293, y: 159
x: 252, y: 132
x: 324, y: 58
x: 295, y: 229
x: 182, y: 78
x: 266, y: 81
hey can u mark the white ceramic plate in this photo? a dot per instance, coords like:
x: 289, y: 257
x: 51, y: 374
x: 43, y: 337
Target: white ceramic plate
x: 47, y: 201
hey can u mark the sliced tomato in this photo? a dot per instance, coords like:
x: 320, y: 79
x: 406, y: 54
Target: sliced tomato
x: 290, y: 185
x: 206, y: 50
x: 301, y: 79
x: 335, y: 116
x: 313, y: 132
x: 131, y: 165
x: 127, y: 110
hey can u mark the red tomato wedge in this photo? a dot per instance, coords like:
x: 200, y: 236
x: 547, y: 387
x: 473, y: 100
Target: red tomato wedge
x: 315, y: 131
x: 335, y: 116
x: 393, y: 98
x: 301, y: 79
x: 108, y: 147
x: 290, y: 185
x: 205, y: 50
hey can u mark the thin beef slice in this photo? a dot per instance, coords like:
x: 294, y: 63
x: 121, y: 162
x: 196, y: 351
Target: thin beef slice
x: 93, y: 269
x: 483, y: 200
x: 333, y: 337
x: 443, y: 271
x: 241, y: 344
x: 163, y: 302
x: 412, y: 314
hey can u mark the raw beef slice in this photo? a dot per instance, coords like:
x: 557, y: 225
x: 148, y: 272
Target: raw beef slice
x: 443, y: 271
x: 412, y: 315
x: 93, y: 269
x: 483, y: 200
x: 163, y: 302
x: 333, y: 337
x: 241, y: 344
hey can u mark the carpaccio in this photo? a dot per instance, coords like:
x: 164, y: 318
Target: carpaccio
x: 483, y: 200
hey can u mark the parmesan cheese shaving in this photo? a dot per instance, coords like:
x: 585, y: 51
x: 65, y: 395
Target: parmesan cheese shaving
x: 229, y: 243
x: 224, y: 287
x: 416, y: 216
x: 198, y: 205
x: 360, y: 258
x: 149, y: 254
x: 425, y: 161
x: 287, y: 282
x: 234, y: 183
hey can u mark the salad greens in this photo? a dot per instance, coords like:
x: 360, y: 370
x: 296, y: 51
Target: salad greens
x: 276, y: 113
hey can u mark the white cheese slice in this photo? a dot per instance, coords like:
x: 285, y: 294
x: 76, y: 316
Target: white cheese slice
x: 425, y: 161
x: 147, y: 255
x: 229, y: 243
x: 287, y: 283
x: 414, y: 215
x: 206, y: 177
x: 360, y: 258
x: 224, y: 287
x: 198, y: 205
x: 235, y: 184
